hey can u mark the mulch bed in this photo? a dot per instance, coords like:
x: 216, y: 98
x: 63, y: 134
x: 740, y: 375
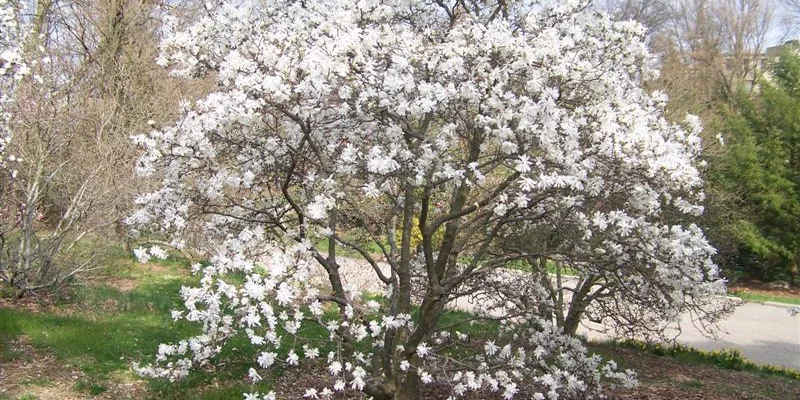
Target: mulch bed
x: 765, y: 289
x: 660, y: 378
x: 37, y: 372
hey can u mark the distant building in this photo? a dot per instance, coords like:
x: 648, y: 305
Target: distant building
x: 775, y: 51
x: 761, y: 62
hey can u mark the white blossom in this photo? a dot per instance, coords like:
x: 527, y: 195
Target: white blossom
x: 423, y: 350
x: 335, y: 368
x: 425, y: 377
x: 480, y: 130
x: 141, y: 254
x: 292, y: 358
x: 490, y: 348
x: 254, y: 376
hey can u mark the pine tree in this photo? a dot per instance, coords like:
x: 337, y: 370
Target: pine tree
x: 762, y: 166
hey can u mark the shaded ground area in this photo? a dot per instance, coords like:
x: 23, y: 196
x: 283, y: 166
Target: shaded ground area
x: 663, y: 378
x: 37, y: 374
x: 763, y: 333
x: 760, y: 291
x: 82, y: 347
x: 28, y: 373
x: 660, y: 377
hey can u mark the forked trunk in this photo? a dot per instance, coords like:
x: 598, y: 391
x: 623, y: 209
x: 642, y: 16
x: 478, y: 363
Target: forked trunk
x: 409, y: 388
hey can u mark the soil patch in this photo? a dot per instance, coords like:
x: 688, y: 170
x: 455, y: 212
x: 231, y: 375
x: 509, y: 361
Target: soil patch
x: 765, y: 290
x: 36, y: 303
x: 660, y: 378
x: 663, y: 378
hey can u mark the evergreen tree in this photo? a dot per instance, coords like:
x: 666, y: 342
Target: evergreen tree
x: 762, y: 167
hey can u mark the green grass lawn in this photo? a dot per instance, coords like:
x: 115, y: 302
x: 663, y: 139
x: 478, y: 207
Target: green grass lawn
x: 369, y: 246
x: 102, y: 329
x: 761, y: 297
x: 552, y: 267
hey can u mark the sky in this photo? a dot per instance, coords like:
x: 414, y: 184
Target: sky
x: 780, y: 32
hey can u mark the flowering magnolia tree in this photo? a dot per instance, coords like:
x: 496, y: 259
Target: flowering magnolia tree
x: 439, y: 141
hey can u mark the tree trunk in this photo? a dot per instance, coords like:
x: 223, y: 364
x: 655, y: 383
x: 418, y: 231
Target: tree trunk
x: 409, y: 388
x: 571, y: 324
x: 577, y: 306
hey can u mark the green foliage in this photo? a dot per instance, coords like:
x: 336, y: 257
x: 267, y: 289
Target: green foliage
x: 551, y: 266
x: 416, y: 235
x: 763, y: 297
x: 722, y: 359
x: 761, y: 169
x: 357, y: 236
x: 102, y: 330
x: 91, y: 388
x: 694, y: 384
x: 98, y: 340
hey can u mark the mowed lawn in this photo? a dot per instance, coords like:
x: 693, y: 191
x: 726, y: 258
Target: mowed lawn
x: 82, y: 344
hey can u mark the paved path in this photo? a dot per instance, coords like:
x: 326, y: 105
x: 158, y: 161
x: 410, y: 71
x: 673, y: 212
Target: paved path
x: 763, y: 333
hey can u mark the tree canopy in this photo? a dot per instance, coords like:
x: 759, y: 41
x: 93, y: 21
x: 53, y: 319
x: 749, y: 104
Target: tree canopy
x: 438, y: 132
x: 762, y: 167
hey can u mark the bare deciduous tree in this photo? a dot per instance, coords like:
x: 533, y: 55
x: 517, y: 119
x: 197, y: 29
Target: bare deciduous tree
x: 94, y: 83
